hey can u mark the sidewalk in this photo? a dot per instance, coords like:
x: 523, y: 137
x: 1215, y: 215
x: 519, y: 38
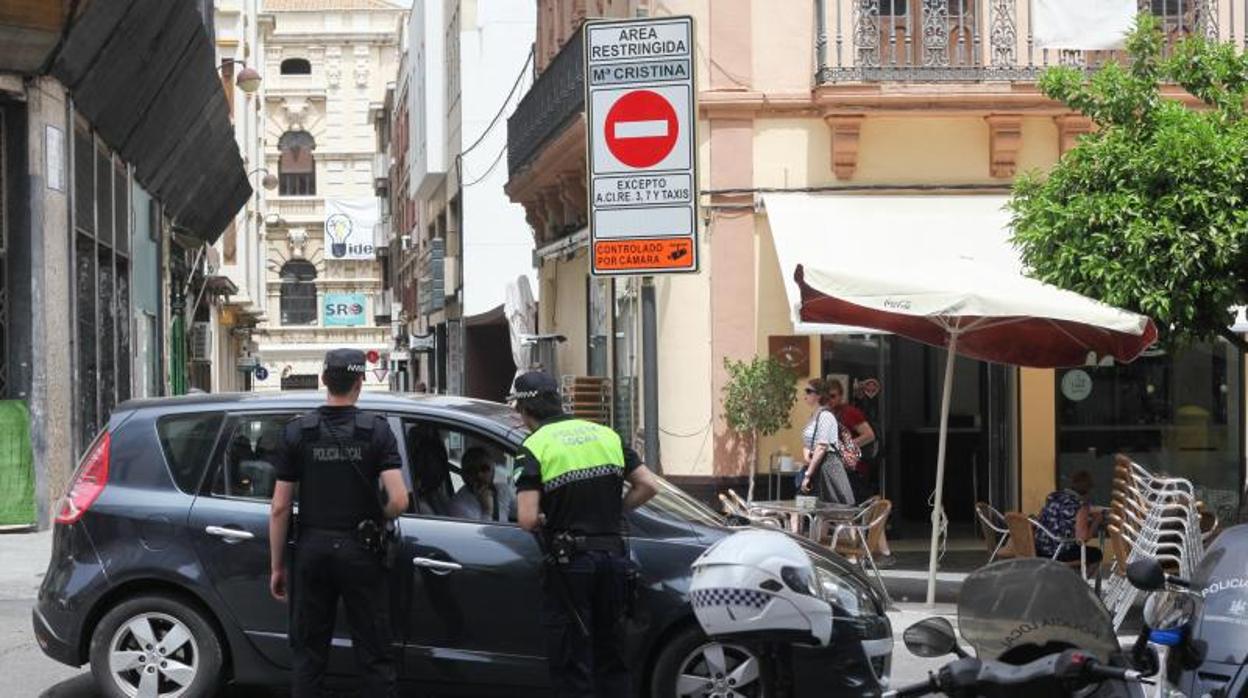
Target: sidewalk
x: 23, y: 562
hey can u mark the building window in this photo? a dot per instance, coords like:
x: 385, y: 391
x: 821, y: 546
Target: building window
x: 296, y: 66
x: 101, y: 304
x: 1179, y: 413
x: 598, y: 325
x: 298, y: 294
x: 296, y: 168
x: 4, y: 295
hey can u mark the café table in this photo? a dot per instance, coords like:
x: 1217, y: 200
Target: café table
x: 814, y: 514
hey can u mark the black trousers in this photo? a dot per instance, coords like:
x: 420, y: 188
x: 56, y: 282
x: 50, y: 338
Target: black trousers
x: 597, y: 587
x: 329, y: 566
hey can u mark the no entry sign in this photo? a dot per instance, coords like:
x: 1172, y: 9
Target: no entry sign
x: 641, y: 114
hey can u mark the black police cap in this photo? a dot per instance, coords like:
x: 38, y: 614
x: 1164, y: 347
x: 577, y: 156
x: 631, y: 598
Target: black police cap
x: 349, y: 360
x: 531, y: 384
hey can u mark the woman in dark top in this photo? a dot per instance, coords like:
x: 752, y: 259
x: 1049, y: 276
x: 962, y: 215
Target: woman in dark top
x: 1068, y: 516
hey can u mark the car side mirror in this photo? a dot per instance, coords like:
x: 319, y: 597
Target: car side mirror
x: 931, y: 637
x: 1146, y: 575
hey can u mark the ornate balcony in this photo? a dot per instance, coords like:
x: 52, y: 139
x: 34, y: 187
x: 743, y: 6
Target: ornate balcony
x: 864, y: 41
x: 555, y: 99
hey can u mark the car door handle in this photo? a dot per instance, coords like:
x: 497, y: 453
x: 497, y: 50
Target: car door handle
x: 438, y: 566
x: 230, y: 534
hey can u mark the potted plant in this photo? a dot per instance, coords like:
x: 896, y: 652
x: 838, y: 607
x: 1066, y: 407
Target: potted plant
x: 757, y: 401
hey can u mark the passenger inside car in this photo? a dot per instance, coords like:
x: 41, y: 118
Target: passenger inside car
x: 476, y: 499
x: 431, y: 470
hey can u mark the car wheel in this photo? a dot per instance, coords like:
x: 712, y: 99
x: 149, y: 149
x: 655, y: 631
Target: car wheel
x: 694, y: 666
x: 155, y: 647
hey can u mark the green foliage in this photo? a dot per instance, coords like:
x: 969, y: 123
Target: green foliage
x: 1148, y: 211
x: 759, y: 396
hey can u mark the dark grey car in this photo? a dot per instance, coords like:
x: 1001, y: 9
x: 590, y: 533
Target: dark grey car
x: 159, y: 570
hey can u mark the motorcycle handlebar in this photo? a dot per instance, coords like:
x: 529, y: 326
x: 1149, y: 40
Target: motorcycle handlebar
x: 972, y: 675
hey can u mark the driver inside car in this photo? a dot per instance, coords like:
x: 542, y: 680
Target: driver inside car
x: 478, y: 498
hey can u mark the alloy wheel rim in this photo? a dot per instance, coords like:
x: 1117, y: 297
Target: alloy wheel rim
x: 153, y: 655
x: 719, y: 670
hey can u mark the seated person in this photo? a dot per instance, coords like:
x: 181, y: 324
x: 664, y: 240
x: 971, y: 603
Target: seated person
x: 430, y: 470
x: 477, y: 499
x: 1068, y: 515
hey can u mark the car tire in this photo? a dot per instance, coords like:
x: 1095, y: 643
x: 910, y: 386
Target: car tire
x: 691, y: 653
x: 156, y: 638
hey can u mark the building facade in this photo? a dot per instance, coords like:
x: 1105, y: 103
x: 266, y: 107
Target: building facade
x: 326, y: 64
x: 459, y: 239
x: 897, y: 116
x: 115, y: 177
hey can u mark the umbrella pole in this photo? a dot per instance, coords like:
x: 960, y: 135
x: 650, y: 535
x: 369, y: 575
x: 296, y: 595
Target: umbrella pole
x: 938, y: 495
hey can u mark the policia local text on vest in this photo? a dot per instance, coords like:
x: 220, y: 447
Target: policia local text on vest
x: 570, y: 478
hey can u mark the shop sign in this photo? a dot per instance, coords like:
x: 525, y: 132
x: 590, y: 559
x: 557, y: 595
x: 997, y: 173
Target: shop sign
x: 1076, y: 385
x: 792, y: 352
x: 641, y: 109
x: 344, y: 309
x: 349, y: 225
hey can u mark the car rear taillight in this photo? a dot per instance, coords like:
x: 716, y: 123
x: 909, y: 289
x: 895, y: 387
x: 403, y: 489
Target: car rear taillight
x: 87, y: 484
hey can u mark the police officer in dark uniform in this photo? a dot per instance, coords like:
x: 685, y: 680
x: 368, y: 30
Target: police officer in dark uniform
x: 336, y: 455
x: 570, y: 479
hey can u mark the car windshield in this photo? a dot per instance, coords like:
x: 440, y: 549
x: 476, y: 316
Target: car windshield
x: 672, y: 502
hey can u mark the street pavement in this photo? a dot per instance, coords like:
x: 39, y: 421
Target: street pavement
x: 27, y: 672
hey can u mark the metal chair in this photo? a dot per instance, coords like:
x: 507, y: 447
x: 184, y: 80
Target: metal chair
x: 995, y: 531
x: 863, y: 536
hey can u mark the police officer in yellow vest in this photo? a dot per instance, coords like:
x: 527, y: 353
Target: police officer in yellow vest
x: 570, y: 479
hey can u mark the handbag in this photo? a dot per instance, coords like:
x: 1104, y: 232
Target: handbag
x: 850, y: 451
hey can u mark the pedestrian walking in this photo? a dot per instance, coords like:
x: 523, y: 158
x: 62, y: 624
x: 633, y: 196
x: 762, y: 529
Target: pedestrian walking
x: 570, y: 478
x: 824, y: 474
x: 336, y: 455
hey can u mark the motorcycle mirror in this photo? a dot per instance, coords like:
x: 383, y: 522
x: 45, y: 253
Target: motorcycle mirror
x: 1169, y: 610
x: 1146, y: 575
x: 931, y: 637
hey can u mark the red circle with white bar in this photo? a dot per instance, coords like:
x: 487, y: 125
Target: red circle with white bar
x: 641, y: 129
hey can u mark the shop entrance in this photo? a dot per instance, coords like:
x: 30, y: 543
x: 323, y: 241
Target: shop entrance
x: 897, y: 383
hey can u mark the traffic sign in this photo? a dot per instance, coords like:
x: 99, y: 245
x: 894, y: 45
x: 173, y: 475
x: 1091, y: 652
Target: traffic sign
x: 262, y: 373
x: 641, y: 111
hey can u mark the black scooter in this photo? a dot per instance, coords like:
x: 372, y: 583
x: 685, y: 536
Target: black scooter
x: 1069, y: 672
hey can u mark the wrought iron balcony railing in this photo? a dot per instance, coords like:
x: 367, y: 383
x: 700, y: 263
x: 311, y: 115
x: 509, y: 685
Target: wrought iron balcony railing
x: 556, y: 97
x: 978, y: 40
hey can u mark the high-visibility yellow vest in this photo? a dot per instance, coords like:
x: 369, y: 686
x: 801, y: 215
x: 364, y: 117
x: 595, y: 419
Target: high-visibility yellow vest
x: 570, y: 450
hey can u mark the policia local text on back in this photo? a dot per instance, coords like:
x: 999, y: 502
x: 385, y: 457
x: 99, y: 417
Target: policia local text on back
x: 335, y: 455
x: 569, y: 479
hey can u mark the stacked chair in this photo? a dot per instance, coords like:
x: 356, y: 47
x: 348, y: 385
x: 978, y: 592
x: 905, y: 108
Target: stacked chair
x: 1152, y: 516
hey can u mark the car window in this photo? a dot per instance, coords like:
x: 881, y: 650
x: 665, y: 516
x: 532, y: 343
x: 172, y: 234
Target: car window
x: 244, y: 466
x: 187, y: 441
x: 441, y: 459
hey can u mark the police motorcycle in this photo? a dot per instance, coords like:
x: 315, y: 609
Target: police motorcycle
x: 1037, y: 630
x: 759, y: 590
x: 1199, y: 626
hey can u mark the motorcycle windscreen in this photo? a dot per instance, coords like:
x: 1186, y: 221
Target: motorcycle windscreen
x: 1222, y: 579
x: 1009, y: 610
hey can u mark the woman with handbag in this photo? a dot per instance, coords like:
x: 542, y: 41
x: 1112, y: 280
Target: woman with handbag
x: 825, y: 471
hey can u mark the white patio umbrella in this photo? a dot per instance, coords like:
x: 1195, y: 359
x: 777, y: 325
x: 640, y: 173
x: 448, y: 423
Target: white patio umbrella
x: 521, y: 312
x: 983, y: 311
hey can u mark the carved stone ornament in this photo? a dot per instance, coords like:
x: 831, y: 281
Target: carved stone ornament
x: 296, y: 111
x: 298, y: 240
x: 845, y: 130
x: 361, y: 73
x: 1069, y: 128
x: 1005, y: 139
